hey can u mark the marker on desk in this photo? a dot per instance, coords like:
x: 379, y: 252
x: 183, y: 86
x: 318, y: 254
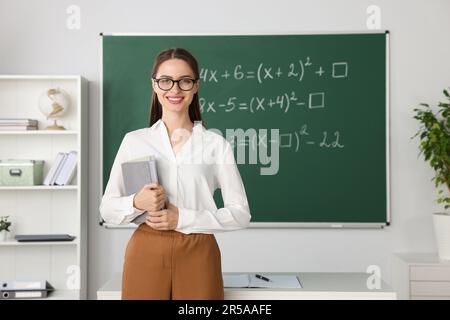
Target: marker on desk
x: 262, y: 277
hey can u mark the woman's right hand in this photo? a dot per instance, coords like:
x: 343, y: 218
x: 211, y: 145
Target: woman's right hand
x: 151, y: 197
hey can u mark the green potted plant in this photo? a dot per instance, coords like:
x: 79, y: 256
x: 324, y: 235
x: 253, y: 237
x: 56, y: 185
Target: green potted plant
x: 434, y: 135
x: 4, y: 228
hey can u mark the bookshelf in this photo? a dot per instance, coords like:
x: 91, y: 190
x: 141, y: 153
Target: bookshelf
x: 46, y: 209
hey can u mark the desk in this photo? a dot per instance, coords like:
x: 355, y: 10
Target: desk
x: 316, y: 285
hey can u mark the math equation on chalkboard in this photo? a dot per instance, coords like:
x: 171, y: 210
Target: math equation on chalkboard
x: 261, y: 73
x: 284, y: 101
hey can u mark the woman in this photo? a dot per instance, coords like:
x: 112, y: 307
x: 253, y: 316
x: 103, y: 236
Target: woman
x: 174, y: 254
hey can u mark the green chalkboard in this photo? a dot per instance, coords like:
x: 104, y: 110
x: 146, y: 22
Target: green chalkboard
x: 319, y: 99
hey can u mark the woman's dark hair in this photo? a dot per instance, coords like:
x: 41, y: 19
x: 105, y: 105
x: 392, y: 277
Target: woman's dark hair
x: 155, y: 106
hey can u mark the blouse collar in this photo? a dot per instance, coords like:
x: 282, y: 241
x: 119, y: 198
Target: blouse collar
x: 160, y: 123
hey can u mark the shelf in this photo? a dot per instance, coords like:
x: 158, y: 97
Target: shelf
x: 51, y: 188
x: 13, y: 243
x: 40, y: 132
x: 39, y: 77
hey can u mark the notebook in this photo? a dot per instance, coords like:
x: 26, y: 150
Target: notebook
x: 136, y: 174
x: 249, y: 280
x: 43, y: 237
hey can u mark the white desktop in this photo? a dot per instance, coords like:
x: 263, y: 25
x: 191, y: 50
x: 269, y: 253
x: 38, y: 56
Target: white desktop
x: 315, y: 285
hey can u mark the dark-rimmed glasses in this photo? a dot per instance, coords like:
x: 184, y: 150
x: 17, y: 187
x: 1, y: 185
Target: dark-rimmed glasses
x: 184, y: 84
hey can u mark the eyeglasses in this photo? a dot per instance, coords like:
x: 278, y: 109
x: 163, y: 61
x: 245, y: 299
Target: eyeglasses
x: 184, y: 84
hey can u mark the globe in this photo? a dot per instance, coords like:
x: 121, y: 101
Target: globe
x: 53, y: 104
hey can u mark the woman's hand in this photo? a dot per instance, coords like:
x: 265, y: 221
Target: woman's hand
x: 164, y: 219
x: 151, y: 197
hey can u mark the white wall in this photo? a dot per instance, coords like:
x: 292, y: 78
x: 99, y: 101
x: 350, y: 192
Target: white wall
x: 34, y: 40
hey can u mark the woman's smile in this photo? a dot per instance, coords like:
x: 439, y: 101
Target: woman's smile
x: 175, y: 99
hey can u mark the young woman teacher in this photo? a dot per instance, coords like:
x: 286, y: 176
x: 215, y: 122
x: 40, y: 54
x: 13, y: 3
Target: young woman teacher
x: 174, y: 254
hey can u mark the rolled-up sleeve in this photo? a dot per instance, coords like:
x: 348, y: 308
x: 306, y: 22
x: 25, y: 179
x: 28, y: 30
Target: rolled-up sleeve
x: 115, y: 207
x: 234, y: 215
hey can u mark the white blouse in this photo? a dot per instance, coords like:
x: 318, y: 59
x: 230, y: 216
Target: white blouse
x: 204, y: 163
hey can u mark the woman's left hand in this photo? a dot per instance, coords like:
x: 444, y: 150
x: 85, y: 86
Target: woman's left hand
x: 166, y: 219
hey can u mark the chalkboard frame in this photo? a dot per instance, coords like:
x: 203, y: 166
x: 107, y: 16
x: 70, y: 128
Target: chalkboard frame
x: 261, y: 225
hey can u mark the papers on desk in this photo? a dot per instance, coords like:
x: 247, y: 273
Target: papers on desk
x: 247, y: 280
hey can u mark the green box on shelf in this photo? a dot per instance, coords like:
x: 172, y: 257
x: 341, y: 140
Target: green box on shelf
x: 21, y: 172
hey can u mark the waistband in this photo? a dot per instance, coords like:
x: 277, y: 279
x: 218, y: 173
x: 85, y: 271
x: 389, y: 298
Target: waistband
x: 170, y: 233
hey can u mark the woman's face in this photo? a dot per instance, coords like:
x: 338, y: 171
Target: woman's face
x: 175, y: 100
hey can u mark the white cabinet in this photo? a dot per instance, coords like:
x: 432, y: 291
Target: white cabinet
x: 46, y: 209
x: 421, y: 276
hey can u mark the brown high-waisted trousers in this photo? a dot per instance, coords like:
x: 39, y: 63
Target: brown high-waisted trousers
x: 171, y: 265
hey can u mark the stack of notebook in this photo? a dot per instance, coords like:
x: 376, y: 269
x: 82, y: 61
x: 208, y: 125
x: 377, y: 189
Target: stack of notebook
x: 18, y: 124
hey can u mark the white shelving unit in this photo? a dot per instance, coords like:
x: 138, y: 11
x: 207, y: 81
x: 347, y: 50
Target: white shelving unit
x: 46, y: 209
